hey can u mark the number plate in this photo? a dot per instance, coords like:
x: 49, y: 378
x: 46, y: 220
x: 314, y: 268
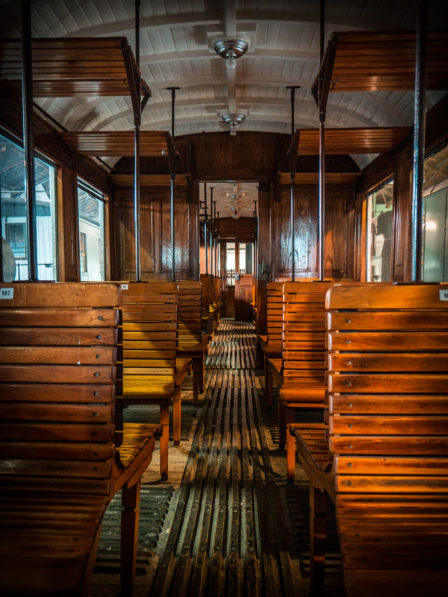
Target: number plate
x: 443, y: 294
x: 8, y: 293
x: 126, y: 287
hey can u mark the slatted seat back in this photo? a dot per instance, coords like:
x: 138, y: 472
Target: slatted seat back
x: 57, y: 387
x: 274, y: 309
x: 149, y: 338
x: 205, y: 294
x: 190, y: 305
x: 304, y: 331
x: 388, y: 417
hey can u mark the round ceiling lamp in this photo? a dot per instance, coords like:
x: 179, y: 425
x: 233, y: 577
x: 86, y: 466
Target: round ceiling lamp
x: 233, y: 120
x: 231, y: 48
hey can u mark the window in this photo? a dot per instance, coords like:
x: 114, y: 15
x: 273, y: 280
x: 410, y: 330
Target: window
x: 14, y: 214
x: 91, y: 233
x: 380, y: 213
x: 230, y: 264
x: 246, y: 258
x: 435, y: 224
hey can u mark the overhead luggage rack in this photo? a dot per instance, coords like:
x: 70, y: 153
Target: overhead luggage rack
x: 379, y: 61
x: 121, y: 143
x: 351, y: 141
x: 74, y: 67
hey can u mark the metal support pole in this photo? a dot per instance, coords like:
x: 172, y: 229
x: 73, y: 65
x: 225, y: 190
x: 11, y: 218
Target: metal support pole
x: 173, y: 238
x: 173, y: 104
x: 205, y: 228
x: 218, y: 247
x: 293, y: 159
x: 173, y: 184
x: 418, y: 141
x: 214, y: 237
x: 211, y: 230
x: 137, y: 123
x: 198, y: 238
x: 28, y: 137
x: 322, y: 117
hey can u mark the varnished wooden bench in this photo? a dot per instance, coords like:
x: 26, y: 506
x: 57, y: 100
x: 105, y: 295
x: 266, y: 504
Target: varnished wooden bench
x: 190, y: 342
x: 303, y: 369
x: 270, y: 344
x: 152, y: 372
x: 386, y: 465
x: 59, y: 461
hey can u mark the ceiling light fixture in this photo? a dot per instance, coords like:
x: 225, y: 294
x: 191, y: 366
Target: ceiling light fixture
x: 230, y: 49
x: 233, y: 119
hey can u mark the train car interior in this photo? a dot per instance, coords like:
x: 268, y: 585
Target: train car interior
x: 223, y: 298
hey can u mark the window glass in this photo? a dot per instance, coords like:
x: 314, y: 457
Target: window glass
x: 91, y: 233
x: 435, y: 224
x: 242, y: 258
x: 230, y: 264
x: 14, y: 214
x: 380, y: 213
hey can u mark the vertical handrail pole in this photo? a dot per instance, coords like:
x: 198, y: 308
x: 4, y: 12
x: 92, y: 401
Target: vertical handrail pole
x: 137, y: 123
x: 205, y: 228
x: 322, y: 117
x: 28, y: 137
x: 218, y: 247
x: 172, y: 188
x: 214, y: 236
x: 211, y: 230
x: 292, y: 158
x: 418, y: 141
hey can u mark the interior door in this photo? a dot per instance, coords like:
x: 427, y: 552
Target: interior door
x: 243, y: 298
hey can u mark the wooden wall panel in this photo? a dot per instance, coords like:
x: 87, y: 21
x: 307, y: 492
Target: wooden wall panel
x: 155, y: 230
x: 402, y: 217
x: 182, y: 235
x: 339, y: 231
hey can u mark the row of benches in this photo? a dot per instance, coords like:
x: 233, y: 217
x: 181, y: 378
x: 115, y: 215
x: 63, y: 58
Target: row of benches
x: 72, y: 356
x: 211, y: 303
x: 366, y: 368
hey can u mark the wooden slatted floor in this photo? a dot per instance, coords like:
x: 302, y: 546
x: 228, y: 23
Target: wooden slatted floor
x: 228, y: 530
x: 226, y: 537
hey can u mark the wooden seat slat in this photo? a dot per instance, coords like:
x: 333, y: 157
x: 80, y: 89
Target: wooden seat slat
x: 396, y: 383
x: 57, y: 354
x: 377, y: 362
x: 375, y: 404
x: 57, y: 373
x: 59, y: 336
x: 429, y: 340
x: 58, y: 318
x: 56, y: 450
x: 47, y: 411
x: 64, y: 392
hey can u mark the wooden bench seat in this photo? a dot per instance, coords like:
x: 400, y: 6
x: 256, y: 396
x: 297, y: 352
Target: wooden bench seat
x: 152, y: 372
x: 303, y: 370
x: 190, y: 342
x: 387, y: 438
x: 270, y: 345
x: 60, y: 458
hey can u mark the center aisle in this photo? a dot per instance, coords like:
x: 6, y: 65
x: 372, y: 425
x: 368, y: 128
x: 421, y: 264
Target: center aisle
x: 228, y: 533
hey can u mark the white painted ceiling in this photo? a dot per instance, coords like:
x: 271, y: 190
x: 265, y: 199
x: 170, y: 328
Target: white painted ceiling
x: 176, y: 43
